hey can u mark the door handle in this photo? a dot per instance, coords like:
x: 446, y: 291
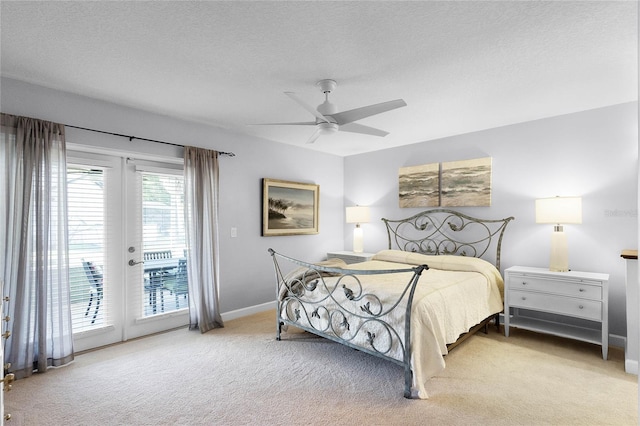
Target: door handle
x: 133, y: 262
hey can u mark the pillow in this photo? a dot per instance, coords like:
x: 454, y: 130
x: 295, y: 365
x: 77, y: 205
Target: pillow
x: 397, y: 256
x: 445, y: 262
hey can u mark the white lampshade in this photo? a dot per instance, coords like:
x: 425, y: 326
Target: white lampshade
x: 559, y: 210
x: 358, y: 214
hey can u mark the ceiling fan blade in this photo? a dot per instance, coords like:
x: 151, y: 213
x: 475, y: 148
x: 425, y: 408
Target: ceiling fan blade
x: 314, y: 136
x: 300, y: 123
x: 306, y: 106
x: 367, y: 111
x: 365, y: 130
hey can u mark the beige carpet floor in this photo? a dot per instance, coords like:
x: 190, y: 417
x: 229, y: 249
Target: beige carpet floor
x: 241, y: 375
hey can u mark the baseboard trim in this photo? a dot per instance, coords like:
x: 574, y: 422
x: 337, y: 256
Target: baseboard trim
x: 617, y: 341
x: 239, y: 313
x: 631, y: 366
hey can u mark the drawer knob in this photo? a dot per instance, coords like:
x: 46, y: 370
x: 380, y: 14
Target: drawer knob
x: 581, y: 307
x: 524, y: 298
x: 524, y: 283
x: 581, y: 290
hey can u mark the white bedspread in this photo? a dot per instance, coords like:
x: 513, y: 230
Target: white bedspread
x: 455, y: 294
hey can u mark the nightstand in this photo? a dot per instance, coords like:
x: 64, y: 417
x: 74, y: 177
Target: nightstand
x: 568, y: 295
x: 350, y: 256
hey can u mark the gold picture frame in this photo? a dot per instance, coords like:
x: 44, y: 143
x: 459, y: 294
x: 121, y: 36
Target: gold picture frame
x: 289, y: 208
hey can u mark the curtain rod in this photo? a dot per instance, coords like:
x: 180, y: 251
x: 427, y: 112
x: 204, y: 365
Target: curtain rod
x: 228, y: 154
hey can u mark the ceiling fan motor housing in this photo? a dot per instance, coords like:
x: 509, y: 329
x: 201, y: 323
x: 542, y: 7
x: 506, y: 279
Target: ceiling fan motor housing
x: 327, y: 108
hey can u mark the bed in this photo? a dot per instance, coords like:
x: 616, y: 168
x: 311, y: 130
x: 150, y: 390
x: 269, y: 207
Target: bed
x: 437, y: 283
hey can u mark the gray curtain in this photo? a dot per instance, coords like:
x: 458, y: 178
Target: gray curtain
x: 201, y: 218
x: 33, y: 244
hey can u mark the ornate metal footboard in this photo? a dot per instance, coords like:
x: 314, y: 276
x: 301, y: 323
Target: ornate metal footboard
x: 333, y: 303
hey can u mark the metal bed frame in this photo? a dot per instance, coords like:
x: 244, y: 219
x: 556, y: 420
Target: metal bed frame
x: 365, y: 311
x: 354, y: 312
x: 444, y: 231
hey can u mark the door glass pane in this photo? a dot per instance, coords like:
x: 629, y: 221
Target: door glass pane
x: 163, y: 243
x: 86, y: 195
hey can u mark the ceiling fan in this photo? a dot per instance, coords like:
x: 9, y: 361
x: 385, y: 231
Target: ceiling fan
x: 329, y: 120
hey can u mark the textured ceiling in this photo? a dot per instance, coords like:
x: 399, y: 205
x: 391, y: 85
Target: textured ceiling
x: 460, y: 66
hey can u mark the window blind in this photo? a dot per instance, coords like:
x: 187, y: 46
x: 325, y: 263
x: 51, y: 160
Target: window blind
x: 88, y: 272
x: 161, y: 209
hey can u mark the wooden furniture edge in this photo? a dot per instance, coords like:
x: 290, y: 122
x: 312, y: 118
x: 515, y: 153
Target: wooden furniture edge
x: 629, y: 254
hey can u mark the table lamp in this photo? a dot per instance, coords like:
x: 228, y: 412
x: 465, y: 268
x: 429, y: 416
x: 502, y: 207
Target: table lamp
x: 559, y: 211
x: 358, y: 215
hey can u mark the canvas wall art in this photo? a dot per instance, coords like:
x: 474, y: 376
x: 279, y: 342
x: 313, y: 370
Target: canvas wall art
x: 419, y: 186
x: 466, y: 183
x: 462, y: 183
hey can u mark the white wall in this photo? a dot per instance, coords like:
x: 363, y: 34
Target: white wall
x: 247, y: 277
x: 593, y: 154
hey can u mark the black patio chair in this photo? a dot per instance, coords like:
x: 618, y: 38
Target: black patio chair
x: 95, y: 278
x: 155, y: 279
x: 179, y: 285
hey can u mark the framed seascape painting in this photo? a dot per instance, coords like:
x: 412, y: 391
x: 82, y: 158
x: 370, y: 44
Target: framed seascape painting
x: 289, y: 208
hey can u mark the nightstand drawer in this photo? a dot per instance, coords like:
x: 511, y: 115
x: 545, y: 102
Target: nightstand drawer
x: 350, y: 256
x: 584, y: 289
x: 580, y: 308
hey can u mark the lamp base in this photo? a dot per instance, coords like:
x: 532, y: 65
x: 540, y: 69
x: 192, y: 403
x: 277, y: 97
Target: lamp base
x: 358, y: 244
x: 559, y: 261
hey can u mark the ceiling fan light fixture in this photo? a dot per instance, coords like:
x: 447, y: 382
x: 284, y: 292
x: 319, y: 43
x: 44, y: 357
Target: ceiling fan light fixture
x: 328, y: 128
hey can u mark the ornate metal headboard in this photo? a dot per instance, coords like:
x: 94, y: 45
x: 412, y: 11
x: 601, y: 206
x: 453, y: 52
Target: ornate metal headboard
x: 443, y: 231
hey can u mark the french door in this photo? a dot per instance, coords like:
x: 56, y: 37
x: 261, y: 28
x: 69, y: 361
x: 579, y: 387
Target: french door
x: 156, y: 251
x: 122, y: 213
